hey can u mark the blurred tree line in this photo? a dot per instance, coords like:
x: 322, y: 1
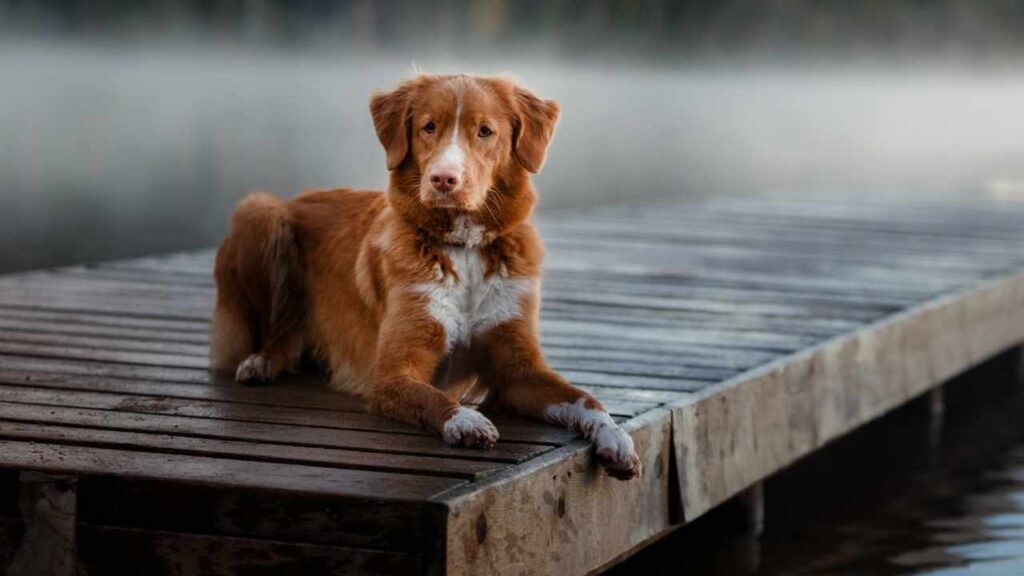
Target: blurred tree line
x: 696, y: 28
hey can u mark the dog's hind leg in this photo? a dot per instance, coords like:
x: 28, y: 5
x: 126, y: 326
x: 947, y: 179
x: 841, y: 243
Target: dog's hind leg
x: 232, y: 335
x: 260, y: 293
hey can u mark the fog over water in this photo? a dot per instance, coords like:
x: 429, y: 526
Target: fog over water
x: 107, y: 151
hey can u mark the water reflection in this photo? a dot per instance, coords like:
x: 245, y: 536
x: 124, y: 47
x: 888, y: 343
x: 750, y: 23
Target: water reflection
x: 878, y: 503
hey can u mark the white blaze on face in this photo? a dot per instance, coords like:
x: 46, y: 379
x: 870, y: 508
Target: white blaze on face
x: 453, y: 157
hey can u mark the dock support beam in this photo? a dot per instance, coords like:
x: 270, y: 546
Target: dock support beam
x: 936, y: 405
x: 751, y: 507
x: 47, y: 504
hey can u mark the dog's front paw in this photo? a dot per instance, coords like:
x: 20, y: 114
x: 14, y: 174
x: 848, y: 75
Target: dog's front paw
x: 616, y: 454
x: 467, y: 427
x: 256, y: 369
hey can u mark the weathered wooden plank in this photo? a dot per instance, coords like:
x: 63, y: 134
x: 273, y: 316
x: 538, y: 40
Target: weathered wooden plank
x: 730, y: 358
x: 337, y: 482
x: 740, y: 230
x: 637, y: 382
x: 58, y: 303
x: 245, y: 450
x: 981, y: 218
x: 103, y: 355
x: 107, y: 550
x: 313, y: 394
x: 200, y: 299
x: 559, y: 514
x: 692, y: 276
x: 151, y: 359
x: 108, y: 348
x: 94, y: 318
x: 198, y: 309
x: 41, y: 320
x: 143, y: 276
x: 71, y: 332
x: 766, y: 295
x: 738, y: 278
x: 717, y: 231
x: 91, y: 283
x: 514, y: 430
x: 263, y: 432
x: 247, y: 511
x: 774, y: 415
x: 614, y: 315
x: 921, y: 264
x: 32, y: 289
x: 568, y: 346
x: 555, y: 285
x: 107, y: 343
x: 654, y: 261
x: 927, y: 219
x: 11, y: 327
x: 295, y: 391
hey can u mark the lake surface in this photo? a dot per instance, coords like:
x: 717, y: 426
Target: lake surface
x: 116, y: 150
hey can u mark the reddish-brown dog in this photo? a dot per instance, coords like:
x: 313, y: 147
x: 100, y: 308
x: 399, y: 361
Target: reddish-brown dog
x: 422, y: 295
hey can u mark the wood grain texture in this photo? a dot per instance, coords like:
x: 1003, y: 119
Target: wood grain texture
x: 111, y: 551
x: 732, y: 338
x: 560, y: 514
x: 773, y: 416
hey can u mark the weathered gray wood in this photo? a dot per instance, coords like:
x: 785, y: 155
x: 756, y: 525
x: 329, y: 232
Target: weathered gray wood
x: 515, y: 430
x: 93, y: 318
x: 244, y: 450
x: 774, y: 415
x: 222, y: 509
x: 559, y: 514
x: 720, y: 231
x: 769, y: 328
x: 109, y: 550
x: 411, y: 444
x: 83, y: 460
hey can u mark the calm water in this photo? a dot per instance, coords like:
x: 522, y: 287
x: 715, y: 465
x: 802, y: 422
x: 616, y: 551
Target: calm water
x: 888, y: 500
x: 110, y: 151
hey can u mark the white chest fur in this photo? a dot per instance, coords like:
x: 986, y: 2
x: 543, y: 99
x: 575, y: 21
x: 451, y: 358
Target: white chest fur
x: 470, y: 301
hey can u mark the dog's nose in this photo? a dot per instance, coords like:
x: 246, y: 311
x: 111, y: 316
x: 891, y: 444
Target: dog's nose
x: 444, y: 180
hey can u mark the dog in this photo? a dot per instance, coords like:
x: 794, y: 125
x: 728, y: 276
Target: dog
x: 421, y: 296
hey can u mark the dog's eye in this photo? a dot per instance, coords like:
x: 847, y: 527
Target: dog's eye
x: 485, y: 132
x: 430, y: 127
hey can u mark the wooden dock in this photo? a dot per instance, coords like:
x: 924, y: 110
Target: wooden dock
x: 732, y: 338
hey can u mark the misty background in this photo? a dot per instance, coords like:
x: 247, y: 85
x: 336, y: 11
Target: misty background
x: 132, y: 127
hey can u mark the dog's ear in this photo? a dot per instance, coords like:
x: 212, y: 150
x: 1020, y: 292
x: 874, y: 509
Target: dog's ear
x: 534, y: 127
x: 390, y: 111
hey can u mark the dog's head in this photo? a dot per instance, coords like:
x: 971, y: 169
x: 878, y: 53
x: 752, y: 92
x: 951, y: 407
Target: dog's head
x: 454, y: 141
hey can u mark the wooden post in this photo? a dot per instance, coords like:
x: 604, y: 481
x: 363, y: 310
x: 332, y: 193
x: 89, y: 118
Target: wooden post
x: 751, y: 506
x: 47, y: 505
x: 936, y: 399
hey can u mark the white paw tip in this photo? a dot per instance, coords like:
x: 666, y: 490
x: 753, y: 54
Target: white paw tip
x: 616, y: 453
x: 255, y: 368
x: 467, y: 427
